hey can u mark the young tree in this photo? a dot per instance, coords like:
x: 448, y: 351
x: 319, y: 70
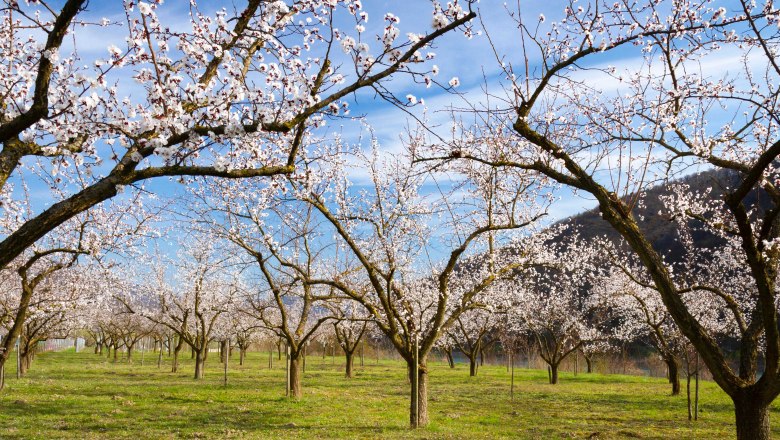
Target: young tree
x: 349, y: 326
x: 385, y: 231
x: 279, y: 242
x: 474, y: 331
x: 244, y: 330
x: 207, y: 288
x: 641, y: 314
x: 551, y: 306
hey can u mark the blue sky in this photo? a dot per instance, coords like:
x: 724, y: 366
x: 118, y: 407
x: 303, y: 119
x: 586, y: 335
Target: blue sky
x: 472, y: 61
x: 457, y: 56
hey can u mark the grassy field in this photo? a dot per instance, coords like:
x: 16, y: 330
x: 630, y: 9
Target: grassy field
x: 69, y: 395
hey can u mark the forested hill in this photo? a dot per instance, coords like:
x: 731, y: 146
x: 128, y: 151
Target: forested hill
x: 658, y: 229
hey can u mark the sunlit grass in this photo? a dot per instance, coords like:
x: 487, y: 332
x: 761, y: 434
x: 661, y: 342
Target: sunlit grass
x: 69, y: 395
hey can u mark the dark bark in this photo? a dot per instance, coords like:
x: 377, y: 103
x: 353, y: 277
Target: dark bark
x: 589, y: 363
x: 450, y: 359
x: 752, y: 418
x: 674, y: 374
x: 350, y: 361
x: 223, y: 351
x: 554, y: 373
x: 472, y: 366
x: 688, y: 395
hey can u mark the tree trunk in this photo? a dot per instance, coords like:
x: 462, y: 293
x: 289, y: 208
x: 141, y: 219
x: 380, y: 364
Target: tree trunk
x: 350, y: 361
x: 28, y: 356
x: 129, y: 354
x: 176, y: 350
x: 688, y: 394
x: 242, y: 354
x: 589, y: 363
x: 419, y: 392
x: 553, y: 374
x: 296, y: 376
x: 674, y: 375
x: 24, y: 365
x: 450, y: 359
x: 200, y: 362
x: 752, y: 418
x: 473, y: 365
x: 9, y: 339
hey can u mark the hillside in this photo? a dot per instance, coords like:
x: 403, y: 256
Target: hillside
x: 660, y: 230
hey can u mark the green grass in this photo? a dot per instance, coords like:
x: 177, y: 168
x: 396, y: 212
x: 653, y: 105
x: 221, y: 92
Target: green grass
x: 69, y: 395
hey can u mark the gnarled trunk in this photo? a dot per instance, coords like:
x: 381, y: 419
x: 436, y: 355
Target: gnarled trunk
x: 418, y: 417
x: 589, y: 363
x: 242, y: 355
x: 450, y: 359
x: 752, y: 417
